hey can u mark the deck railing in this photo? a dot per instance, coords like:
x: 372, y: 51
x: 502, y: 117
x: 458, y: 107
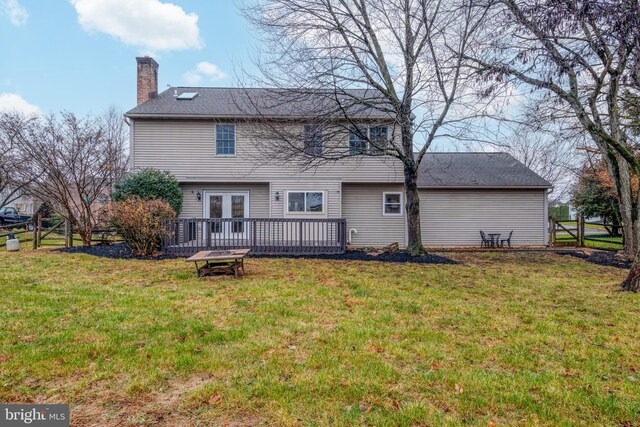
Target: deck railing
x: 299, y: 236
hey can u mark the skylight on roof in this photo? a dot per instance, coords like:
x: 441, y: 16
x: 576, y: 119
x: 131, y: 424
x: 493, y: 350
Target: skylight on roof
x: 187, y: 96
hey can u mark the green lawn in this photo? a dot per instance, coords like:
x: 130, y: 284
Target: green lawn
x: 500, y: 339
x: 592, y: 225
x: 604, y: 241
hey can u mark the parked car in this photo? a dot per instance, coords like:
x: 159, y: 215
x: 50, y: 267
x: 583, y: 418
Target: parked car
x: 10, y: 216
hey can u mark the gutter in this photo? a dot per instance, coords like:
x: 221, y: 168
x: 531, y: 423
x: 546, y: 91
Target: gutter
x: 242, y: 117
x: 485, y: 187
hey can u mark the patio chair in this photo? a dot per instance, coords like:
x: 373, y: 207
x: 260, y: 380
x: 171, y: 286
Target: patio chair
x: 508, y: 240
x: 486, y: 242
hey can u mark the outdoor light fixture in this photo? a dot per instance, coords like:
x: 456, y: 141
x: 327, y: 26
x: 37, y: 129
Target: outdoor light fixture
x: 277, y: 196
x: 199, y: 196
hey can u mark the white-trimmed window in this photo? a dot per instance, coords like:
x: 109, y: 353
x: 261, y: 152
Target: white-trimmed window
x: 225, y: 139
x: 378, y: 139
x: 305, y: 202
x: 392, y: 204
x: 313, y: 140
x: 358, y: 140
x: 368, y: 140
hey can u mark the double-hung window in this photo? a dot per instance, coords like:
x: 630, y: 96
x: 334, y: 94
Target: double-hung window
x: 367, y: 140
x: 225, y: 140
x: 358, y: 142
x: 378, y: 139
x: 305, y: 201
x: 391, y: 204
x: 313, y: 140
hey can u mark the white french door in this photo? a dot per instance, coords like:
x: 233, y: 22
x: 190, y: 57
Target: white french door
x: 230, y: 205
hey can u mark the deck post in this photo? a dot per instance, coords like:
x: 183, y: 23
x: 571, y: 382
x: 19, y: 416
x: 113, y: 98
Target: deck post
x: 255, y: 233
x: 301, y: 240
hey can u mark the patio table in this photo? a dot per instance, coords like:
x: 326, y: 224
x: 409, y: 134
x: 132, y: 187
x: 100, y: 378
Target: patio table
x: 221, y: 261
x: 495, y: 239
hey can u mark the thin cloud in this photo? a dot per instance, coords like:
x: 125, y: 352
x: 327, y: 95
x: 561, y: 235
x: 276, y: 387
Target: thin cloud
x: 149, y: 24
x: 12, y: 102
x: 203, y: 70
x: 17, y: 14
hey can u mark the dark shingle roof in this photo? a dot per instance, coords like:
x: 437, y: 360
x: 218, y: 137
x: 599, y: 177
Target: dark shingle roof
x: 488, y: 170
x: 254, y: 102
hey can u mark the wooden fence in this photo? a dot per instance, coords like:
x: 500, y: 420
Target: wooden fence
x: 578, y: 236
x: 57, y: 232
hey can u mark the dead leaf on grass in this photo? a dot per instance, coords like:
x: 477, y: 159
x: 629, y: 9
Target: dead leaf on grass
x: 215, y: 399
x: 364, y: 407
x: 376, y: 349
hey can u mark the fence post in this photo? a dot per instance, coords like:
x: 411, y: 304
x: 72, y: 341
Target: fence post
x: 39, y: 230
x: 552, y: 232
x: 581, y: 232
x: 68, y: 234
x: 34, y: 220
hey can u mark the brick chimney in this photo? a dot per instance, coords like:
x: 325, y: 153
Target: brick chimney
x: 147, y: 78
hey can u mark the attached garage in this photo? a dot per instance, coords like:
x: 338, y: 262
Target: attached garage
x: 455, y: 217
x: 462, y: 194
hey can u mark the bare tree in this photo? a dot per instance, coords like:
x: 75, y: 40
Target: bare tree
x: 549, y: 155
x: 75, y: 161
x: 344, y: 66
x: 13, y: 177
x: 581, y: 58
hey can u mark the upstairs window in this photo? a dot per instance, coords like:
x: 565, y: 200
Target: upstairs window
x: 358, y: 143
x: 378, y: 138
x: 313, y: 140
x: 225, y: 140
x: 368, y: 140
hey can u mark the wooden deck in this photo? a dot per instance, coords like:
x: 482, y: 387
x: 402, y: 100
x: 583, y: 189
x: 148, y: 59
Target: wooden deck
x: 261, y: 235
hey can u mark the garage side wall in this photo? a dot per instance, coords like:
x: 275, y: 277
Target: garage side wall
x: 455, y: 217
x: 362, y: 208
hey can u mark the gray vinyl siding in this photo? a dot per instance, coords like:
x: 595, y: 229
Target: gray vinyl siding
x: 186, y: 148
x: 362, y: 208
x: 258, y: 198
x: 455, y: 217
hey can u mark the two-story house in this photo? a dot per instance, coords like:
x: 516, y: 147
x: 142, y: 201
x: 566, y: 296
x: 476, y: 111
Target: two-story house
x: 203, y: 137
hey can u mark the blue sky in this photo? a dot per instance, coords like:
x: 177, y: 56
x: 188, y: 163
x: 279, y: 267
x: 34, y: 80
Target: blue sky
x: 79, y: 55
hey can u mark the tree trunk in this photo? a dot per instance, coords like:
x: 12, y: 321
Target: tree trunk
x: 618, y: 169
x: 627, y: 208
x: 412, y: 208
x: 632, y: 281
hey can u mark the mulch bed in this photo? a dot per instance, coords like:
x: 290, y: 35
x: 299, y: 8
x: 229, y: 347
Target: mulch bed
x: 117, y: 251
x: 605, y: 258
x: 355, y: 255
x: 122, y: 251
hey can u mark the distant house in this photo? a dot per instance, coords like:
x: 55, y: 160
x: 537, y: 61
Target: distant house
x: 203, y: 140
x: 24, y: 204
